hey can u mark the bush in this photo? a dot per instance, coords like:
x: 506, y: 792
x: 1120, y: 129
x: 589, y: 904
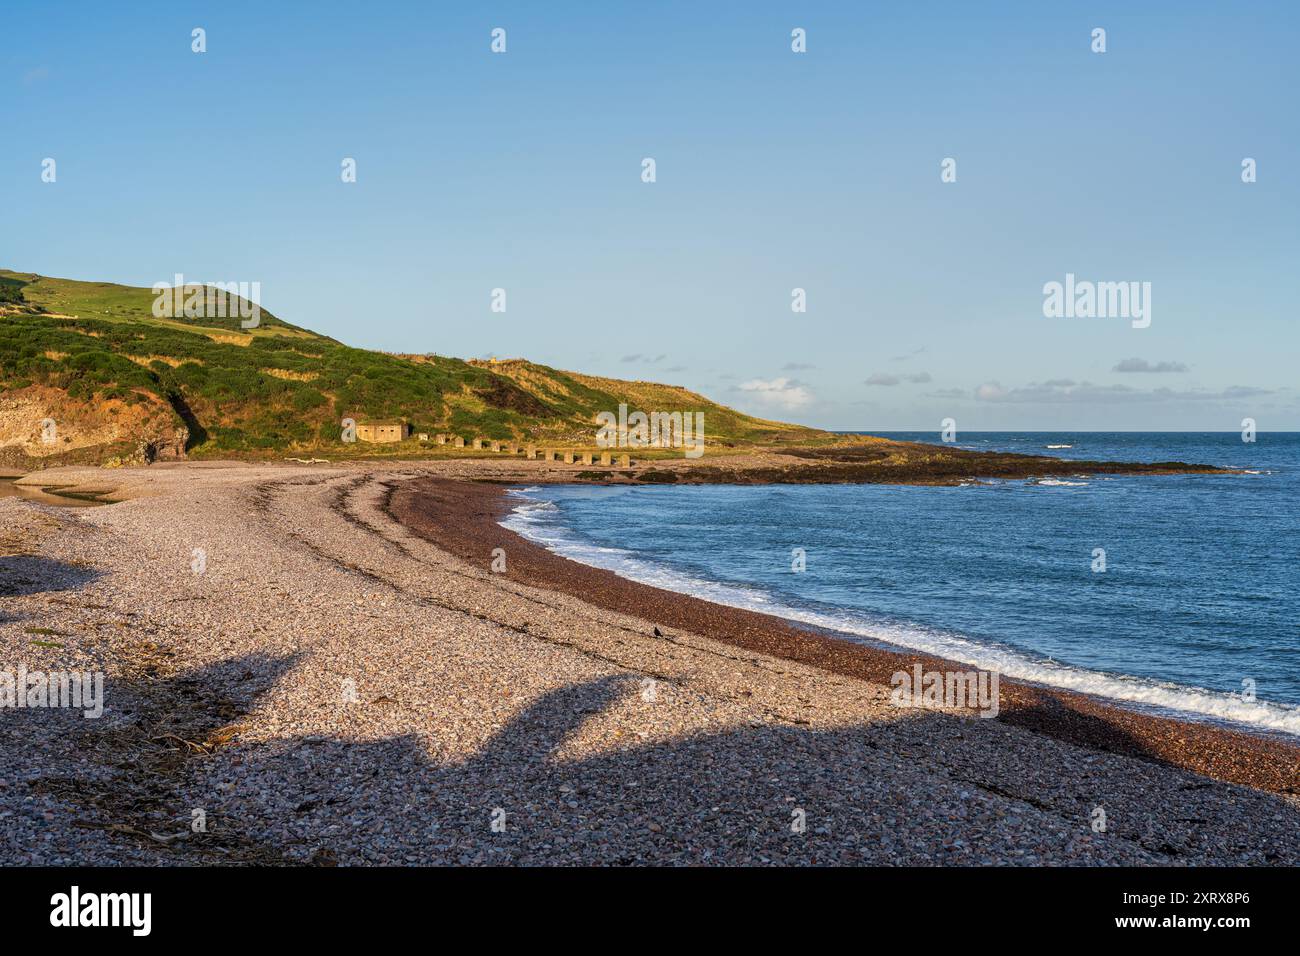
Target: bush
x: 308, y: 398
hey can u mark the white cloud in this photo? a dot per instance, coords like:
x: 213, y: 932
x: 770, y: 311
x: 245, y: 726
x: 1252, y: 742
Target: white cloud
x: 1064, y: 390
x: 781, y: 392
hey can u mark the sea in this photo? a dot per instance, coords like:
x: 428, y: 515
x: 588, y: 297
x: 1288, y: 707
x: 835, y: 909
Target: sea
x: 1174, y: 594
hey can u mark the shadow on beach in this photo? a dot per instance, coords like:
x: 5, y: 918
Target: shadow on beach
x: 918, y: 790
x: 24, y: 574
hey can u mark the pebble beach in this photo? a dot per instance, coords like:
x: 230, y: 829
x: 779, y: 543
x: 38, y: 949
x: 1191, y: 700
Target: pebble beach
x: 319, y: 665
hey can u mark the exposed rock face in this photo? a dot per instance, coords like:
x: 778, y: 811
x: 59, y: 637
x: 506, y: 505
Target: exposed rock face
x: 168, y: 447
x: 41, y: 427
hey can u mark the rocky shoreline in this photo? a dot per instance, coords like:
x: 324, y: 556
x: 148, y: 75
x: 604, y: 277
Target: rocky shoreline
x: 339, y: 686
x: 857, y: 459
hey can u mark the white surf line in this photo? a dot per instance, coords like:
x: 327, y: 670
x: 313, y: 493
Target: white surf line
x: 1162, y: 695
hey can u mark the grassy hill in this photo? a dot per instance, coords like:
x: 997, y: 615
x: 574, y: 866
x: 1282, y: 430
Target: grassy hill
x: 120, y: 383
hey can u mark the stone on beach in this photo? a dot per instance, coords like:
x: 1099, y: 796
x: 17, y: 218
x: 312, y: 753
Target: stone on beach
x: 363, y: 696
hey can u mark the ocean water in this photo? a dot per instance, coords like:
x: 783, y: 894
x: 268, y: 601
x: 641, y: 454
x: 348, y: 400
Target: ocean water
x: 1198, y: 603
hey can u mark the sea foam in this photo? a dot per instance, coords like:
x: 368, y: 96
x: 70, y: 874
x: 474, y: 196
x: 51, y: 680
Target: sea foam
x: 538, y: 520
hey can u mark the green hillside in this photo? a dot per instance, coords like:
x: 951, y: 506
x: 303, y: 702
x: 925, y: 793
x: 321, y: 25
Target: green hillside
x: 122, y: 383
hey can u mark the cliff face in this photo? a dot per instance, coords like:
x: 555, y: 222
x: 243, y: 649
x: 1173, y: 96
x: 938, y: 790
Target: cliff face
x: 42, y: 426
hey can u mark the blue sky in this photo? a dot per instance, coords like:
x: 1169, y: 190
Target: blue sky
x: 775, y: 170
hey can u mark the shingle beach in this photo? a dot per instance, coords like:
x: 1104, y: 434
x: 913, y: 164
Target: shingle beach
x: 318, y: 665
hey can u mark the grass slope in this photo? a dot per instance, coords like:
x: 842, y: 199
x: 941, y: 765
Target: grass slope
x: 95, y: 358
